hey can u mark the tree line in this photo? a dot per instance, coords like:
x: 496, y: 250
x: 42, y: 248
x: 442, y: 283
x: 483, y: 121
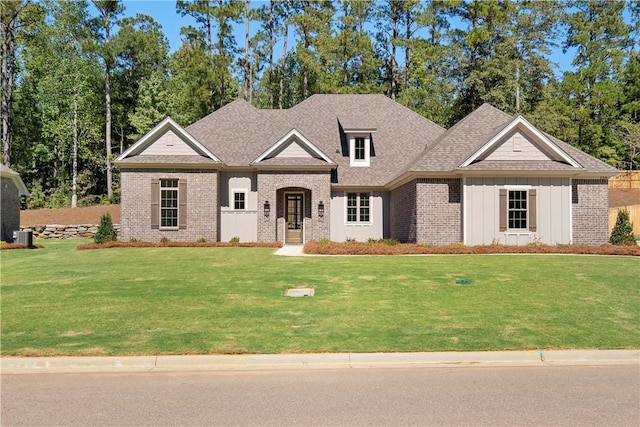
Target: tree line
x: 81, y: 84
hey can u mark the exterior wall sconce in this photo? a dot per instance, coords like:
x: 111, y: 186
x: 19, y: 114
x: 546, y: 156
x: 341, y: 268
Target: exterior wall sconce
x: 267, y: 208
x: 321, y: 209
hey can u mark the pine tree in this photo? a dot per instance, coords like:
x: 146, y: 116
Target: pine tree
x: 106, y: 232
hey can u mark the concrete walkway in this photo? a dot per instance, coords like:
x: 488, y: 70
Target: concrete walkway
x: 291, y: 250
x: 12, y: 365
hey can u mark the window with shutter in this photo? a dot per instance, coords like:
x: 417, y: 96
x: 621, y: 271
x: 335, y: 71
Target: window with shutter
x: 518, y: 210
x: 168, y: 204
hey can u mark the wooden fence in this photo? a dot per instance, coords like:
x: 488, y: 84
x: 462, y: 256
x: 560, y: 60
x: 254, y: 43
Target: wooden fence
x: 625, y: 180
x: 634, y: 217
x: 628, y: 185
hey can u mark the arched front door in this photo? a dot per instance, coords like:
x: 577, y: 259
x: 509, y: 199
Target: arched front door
x: 294, y: 217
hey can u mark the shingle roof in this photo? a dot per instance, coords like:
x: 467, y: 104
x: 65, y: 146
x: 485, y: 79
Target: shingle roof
x: 402, y: 140
x: 238, y: 133
x: 479, y: 127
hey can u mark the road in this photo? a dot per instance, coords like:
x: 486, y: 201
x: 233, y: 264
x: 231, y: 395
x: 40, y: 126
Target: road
x: 550, y: 395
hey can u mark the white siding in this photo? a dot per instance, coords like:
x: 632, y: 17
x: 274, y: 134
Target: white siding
x: 242, y: 224
x: 378, y: 228
x: 168, y: 144
x: 481, y: 210
x: 294, y: 150
x: 517, y: 146
x: 238, y: 223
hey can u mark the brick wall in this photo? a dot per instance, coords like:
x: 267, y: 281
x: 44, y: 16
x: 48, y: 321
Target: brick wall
x: 10, y: 209
x: 402, y: 215
x: 202, y: 205
x: 589, y: 198
x: 271, y: 187
x: 439, y: 214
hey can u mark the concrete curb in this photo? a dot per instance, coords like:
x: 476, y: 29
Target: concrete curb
x: 14, y: 365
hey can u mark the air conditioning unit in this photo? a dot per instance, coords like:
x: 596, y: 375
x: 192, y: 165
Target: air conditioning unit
x: 24, y: 238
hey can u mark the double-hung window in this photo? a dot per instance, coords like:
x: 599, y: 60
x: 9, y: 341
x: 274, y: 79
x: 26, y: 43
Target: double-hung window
x: 169, y: 203
x: 358, y: 208
x: 517, y: 209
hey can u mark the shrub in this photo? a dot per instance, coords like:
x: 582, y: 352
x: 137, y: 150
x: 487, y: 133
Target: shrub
x: 390, y: 242
x: 324, y: 241
x: 106, y: 232
x: 164, y: 239
x: 622, y: 233
x: 201, y: 240
x: 234, y: 239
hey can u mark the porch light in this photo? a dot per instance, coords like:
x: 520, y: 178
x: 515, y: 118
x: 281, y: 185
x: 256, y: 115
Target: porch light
x: 321, y: 209
x: 267, y: 208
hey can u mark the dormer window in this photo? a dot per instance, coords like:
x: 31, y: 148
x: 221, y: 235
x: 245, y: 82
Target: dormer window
x: 359, y: 150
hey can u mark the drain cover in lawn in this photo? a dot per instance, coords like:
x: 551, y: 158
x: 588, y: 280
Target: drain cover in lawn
x: 300, y: 291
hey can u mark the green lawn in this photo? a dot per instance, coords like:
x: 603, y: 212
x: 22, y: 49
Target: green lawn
x: 58, y: 300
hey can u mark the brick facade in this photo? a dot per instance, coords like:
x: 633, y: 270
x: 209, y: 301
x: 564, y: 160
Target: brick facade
x: 402, y: 217
x: 590, y: 203
x: 439, y: 213
x: 10, y: 210
x: 272, y: 186
x: 202, y: 205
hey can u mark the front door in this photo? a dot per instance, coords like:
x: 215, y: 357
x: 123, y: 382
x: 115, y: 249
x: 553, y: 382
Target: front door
x: 293, y: 217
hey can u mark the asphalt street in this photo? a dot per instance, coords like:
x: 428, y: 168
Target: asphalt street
x: 542, y: 395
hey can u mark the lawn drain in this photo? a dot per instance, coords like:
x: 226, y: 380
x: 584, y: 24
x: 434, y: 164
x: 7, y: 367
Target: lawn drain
x: 463, y: 282
x: 300, y: 291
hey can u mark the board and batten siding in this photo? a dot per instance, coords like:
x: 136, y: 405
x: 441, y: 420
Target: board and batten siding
x: 238, y: 223
x: 482, y: 211
x: 377, y: 228
x: 168, y: 144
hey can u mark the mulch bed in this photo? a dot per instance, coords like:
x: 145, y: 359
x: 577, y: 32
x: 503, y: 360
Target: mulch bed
x: 355, y: 248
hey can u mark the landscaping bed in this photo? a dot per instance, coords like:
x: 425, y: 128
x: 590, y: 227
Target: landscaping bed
x: 393, y: 248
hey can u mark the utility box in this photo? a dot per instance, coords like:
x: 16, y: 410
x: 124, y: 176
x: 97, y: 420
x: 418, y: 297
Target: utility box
x: 24, y: 238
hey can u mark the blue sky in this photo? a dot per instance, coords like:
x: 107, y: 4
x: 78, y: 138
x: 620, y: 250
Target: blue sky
x: 164, y: 12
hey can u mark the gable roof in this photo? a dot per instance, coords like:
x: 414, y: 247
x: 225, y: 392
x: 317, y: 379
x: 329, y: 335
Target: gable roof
x: 522, y: 124
x: 240, y: 134
x: 7, y: 172
x: 461, y: 148
x: 293, y: 137
x: 168, y: 124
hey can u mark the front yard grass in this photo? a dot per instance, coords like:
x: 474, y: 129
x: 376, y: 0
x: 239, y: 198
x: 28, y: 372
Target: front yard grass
x: 130, y: 301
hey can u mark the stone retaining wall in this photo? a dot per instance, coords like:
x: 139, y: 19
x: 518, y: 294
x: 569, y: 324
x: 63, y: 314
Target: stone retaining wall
x: 56, y: 231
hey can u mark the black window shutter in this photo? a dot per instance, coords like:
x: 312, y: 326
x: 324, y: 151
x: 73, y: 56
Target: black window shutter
x: 155, y: 203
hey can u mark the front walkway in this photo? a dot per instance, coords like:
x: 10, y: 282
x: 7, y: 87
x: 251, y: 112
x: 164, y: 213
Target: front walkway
x: 291, y: 250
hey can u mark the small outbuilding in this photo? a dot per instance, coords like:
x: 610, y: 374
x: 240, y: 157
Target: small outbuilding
x: 11, y: 188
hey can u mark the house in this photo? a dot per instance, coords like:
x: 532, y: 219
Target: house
x: 360, y: 167
x: 11, y: 188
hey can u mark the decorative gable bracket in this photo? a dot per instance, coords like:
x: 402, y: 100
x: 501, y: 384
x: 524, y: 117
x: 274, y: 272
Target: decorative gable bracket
x: 522, y: 124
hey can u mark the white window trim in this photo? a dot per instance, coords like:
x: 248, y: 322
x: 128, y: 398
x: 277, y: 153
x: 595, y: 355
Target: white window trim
x: 177, y: 209
x: 358, y: 223
x: 233, y: 198
x: 516, y: 231
x: 352, y: 150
